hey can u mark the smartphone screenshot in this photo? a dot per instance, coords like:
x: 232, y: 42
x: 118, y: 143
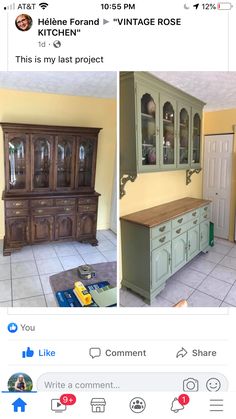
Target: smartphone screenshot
x: 117, y: 217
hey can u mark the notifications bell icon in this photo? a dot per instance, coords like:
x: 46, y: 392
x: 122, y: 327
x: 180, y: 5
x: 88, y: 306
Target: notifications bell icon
x: 176, y: 406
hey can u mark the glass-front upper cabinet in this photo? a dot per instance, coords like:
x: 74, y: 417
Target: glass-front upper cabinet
x: 86, y: 158
x: 183, y: 149
x: 149, y: 131
x: 42, y: 162
x: 196, y: 140
x: 18, y: 152
x: 65, y: 155
x: 168, y: 138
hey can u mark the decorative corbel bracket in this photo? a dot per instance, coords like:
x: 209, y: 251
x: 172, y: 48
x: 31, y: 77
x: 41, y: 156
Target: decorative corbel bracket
x: 189, y: 173
x: 124, y: 179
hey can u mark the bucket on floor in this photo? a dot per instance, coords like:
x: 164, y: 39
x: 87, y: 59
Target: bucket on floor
x: 211, y: 234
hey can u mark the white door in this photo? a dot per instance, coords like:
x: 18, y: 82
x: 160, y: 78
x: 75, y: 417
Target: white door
x: 217, y: 171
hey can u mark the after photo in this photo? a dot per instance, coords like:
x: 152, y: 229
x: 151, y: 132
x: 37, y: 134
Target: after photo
x: 58, y: 219
x: 177, y: 193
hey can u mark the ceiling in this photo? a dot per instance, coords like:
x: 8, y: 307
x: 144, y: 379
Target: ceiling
x: 217, y: 89
x: 100, y: 84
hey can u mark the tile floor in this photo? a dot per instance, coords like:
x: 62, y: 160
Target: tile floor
x: 24, y: 276
x: 209, y: 280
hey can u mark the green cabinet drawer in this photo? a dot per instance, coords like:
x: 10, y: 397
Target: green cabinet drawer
x: 192, y: 215
x: 160, y: 230
x: 192, y: 224
x: 159, y: 241
x: 205, y: 213
x: 182, y: 219
x: 179, y: 230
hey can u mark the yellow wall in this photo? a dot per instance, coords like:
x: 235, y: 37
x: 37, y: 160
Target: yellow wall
x: 51, y: 109
x: 222, y: 122
x: 152, y: 189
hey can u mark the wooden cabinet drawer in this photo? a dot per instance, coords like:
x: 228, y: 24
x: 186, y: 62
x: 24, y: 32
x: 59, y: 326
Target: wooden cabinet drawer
x: 36, y: 203
x: 16, y: 212
x: 17, y: 204
x: 160, y: 229
x: 65, y: 201
x: 53, y: 211
x: 65, y: 210
x: 159, y: 241
x: 182, y: 219
x: 89, y: 200
x: 87, y: 208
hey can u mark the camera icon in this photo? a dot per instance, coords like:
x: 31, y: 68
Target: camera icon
x: 190, y: 384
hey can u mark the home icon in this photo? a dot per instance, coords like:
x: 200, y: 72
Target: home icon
x: 98, y: 405
x: 19, y: 404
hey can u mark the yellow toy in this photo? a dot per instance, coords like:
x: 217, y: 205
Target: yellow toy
x: 82, y: 294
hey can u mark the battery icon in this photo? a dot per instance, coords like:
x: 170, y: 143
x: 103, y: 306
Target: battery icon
x: 224, y: 6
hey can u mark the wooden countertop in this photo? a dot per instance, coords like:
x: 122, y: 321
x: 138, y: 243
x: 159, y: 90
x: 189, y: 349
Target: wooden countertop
x: 154, y: 216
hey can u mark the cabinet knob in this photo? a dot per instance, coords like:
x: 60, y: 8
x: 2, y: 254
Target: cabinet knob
x: 17, y: 212
x: 194, y: 213
x: 162, y: 239
x: 178, y: 231
x: 180, y: 220
x: 205, y: 216
x: 42, y: 202
x: 195, y: 222
x: 162, y: 229
x: 17, y: 204
x: 40, y: 211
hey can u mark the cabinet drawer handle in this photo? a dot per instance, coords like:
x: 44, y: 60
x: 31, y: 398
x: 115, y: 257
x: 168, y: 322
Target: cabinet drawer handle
x: 205, y: 208
x: 205, y: 216
x: 42, y: 202
x: 162, y: 239
x: 17, y: 212
x: 178, y: 231
x: 162, y: 229
x: 18, y: 204
x: 180, y: 220
x: 201, y: 236
x: 195, y: 222
x: 40, y: 211
x: 67, y: 209
x: 194, y: 214
x: 189, y: 245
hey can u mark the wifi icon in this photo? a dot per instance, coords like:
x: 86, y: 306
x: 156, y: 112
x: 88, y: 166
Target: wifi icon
x: 43, y: 5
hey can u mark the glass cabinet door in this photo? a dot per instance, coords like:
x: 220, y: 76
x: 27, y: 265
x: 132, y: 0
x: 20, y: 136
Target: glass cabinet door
x: 183, y: 146
x: 149, y: 133
x: 86, y: 157
x: 196, y: 140
x: 17, y: 154
x: 168, y: 137
x: 65, y: 153
x: 42, y: 164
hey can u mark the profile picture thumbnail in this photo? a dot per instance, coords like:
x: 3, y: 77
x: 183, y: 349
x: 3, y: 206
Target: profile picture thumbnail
x: 23, y: 22
x: 20, y: 382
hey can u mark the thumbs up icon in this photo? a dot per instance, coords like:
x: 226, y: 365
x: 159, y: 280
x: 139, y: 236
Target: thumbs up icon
x: 29, y: 353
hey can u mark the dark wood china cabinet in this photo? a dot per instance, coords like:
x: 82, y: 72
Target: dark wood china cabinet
x: 49, y: 184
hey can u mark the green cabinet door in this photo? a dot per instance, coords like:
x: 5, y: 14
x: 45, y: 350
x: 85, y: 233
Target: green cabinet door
x: 179, y: 252
x: 147, y: 106
x: 161, y: 265
x: 204, y: 235
x: 193, y: 242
